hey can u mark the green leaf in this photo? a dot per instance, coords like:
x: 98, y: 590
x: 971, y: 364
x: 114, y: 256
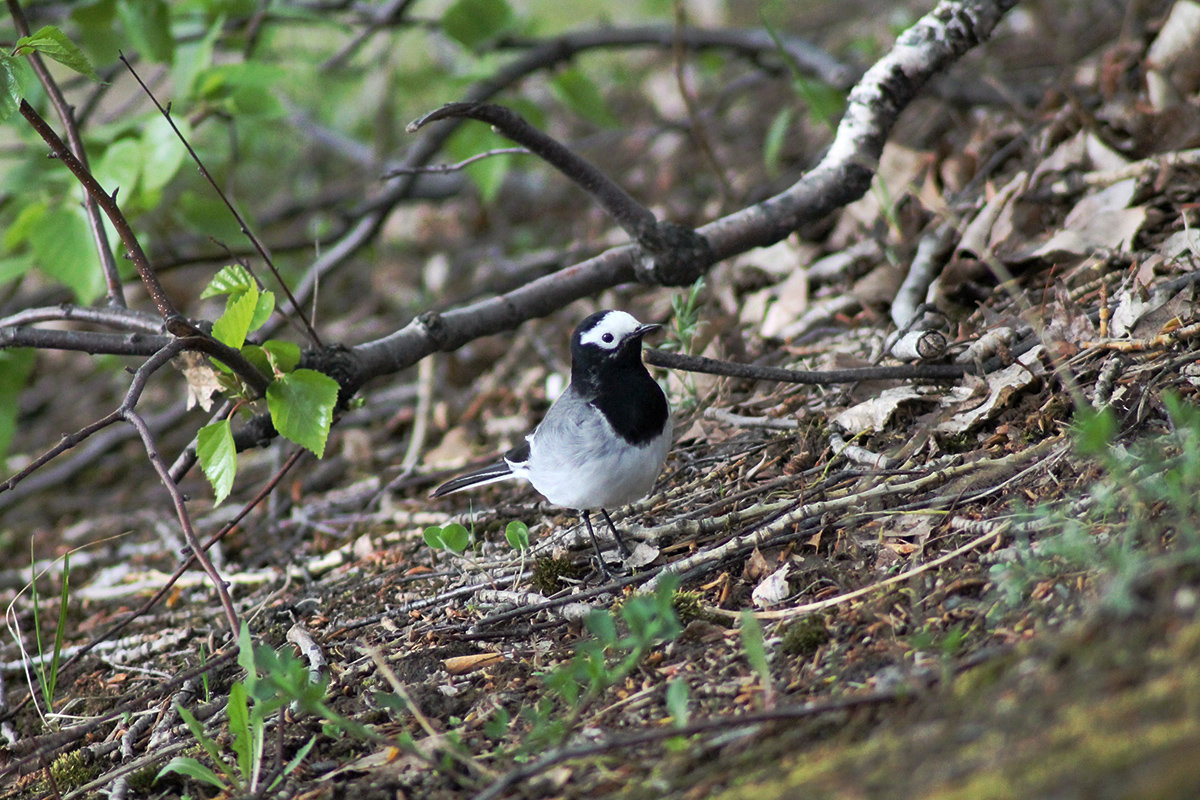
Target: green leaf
x: 284, y: 356
x: 121, y: 166
x: 776, y: 136
x: 677, y: 702
x: 602, y: 625
x: 579, y: 93
x: 53, y: 43
x: 262, y: 310
x: 516, y: 533
x: 15, y: 366
x: 1094, y: 431
x: 194, y: 57
x: 223, y: 80
x: 255, y: 101
x: 290, y: 767
x: 63, y: 248
x: 497, y: 726
x: 238, y: 711
x: 218, y: 457
x: 10, y: 88
x: 232, y: 326
x: 148, y: 25
x: 15, y: 267
x: 752, y: 641
x: 456, y: 538
x: 247, y: 88
x: 162, y: 152
x: 232, y: 279
x: 825, y: 103
x: 274, y: 357
x: 301, y: 405
x: 476, y: 22
x: 257, y: 358
x: 205, y: 214
x: 21, y: 229
x: 96, y: 29
x: 207, y: 743
x: 246, y: 657
x: 433, y: 537
x: 191, y: 768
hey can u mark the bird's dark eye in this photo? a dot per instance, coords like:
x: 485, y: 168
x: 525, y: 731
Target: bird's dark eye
x: 608, y: 337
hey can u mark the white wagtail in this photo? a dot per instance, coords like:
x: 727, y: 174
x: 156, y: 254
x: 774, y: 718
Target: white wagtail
x: 604, y: 441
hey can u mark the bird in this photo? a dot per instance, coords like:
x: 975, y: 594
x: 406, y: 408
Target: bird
x: 604, y: 440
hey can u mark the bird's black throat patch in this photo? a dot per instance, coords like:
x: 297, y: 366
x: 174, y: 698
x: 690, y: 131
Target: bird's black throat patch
x: 631, y: 401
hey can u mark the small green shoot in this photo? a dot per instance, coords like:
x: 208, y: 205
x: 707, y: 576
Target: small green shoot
x: 252, y: 701
x: 496, y: 727
x: 516, y: 533
x: 453, y: 537
x: 756, y: 654
x: 605, y: 660
x: 685, y: 322
x: 825, y: 103
x: 1138, y: 514
x: 685, y: 309
x: 677, y: 707
x: 48, y: 673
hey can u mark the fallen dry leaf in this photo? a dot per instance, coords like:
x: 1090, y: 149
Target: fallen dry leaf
x: 773, y: 590
x: 1099, y: 220
x: 1002, y: 385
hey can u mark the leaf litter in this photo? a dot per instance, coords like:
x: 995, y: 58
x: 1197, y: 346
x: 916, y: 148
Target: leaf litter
x: 768, y: 519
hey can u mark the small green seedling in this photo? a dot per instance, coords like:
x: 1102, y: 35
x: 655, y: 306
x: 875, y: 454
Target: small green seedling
x: 516, y: 533
x: 454, y: 537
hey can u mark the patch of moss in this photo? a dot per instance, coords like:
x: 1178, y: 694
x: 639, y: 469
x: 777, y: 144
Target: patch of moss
x: 687, y: 606
x: 548, y: 571
x: 74, y: 769
x: 141, y: 781
x: 804, y: 636
x: 958, y: 443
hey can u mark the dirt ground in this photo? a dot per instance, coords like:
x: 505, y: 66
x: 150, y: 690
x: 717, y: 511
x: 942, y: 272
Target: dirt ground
x: 960, y: 588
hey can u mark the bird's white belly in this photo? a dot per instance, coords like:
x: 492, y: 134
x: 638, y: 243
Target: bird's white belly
x: 605, y: 477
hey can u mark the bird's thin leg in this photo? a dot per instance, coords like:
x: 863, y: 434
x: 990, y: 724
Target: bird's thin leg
x: 587, y: 521
x: 625, y: 552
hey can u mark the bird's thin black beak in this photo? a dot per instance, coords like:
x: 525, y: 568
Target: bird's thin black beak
x: 642, y: 330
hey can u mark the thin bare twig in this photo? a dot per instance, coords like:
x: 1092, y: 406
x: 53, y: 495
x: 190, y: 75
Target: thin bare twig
x: 241, y: 221
x: 185, y: 520
x: 458, y: 165
x: 712, y: 366
x: 66, y: 115
x: 176, y: 323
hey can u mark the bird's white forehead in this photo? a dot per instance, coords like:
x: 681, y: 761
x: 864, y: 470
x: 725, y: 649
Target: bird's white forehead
x: 610, y: 329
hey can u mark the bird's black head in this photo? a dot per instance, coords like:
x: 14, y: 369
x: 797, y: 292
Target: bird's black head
x: 607, y: 371
x: 607, y: 339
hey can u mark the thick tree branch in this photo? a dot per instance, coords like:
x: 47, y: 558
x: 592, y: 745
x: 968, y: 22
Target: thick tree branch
x: 843, y: 175
x: 673, y: 254
x: 126, y: 319
x: 94, y: 342
x: 758, y: 45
